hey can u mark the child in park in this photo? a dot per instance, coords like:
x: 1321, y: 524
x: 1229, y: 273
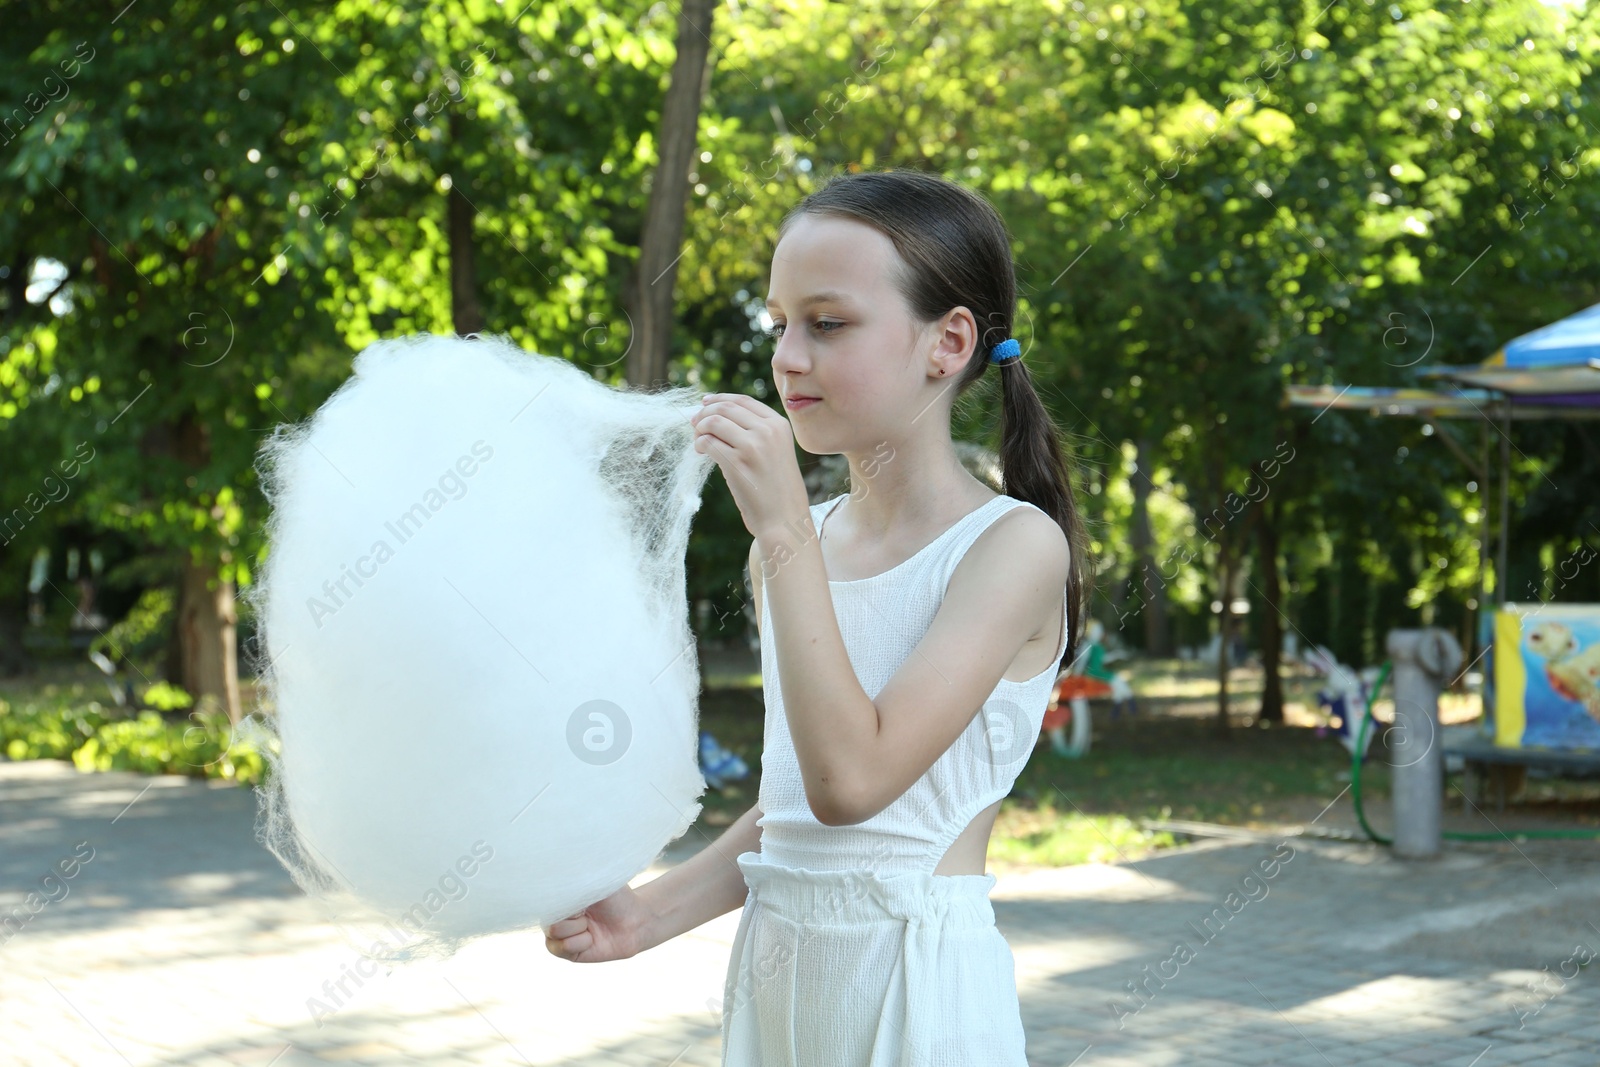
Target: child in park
x: 912, y: 631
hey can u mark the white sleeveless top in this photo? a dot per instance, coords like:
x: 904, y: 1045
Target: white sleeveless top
x: 882, y: 619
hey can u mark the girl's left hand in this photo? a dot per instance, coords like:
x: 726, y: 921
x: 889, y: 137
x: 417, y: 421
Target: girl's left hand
x: 754, y: 446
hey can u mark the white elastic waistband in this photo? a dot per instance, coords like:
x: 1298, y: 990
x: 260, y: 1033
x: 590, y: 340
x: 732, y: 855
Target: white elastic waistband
x: 857, y: 896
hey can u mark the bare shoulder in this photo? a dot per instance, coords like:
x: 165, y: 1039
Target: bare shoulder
x: 1023, y: 546
x: 1030, y: 531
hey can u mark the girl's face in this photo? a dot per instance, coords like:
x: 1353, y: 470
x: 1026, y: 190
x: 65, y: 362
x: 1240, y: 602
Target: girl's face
x: 845, y: 336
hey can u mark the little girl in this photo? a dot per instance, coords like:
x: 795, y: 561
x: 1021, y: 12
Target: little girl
x: 911, y: 631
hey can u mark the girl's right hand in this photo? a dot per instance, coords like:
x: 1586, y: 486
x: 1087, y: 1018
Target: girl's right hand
x: 609, y: 929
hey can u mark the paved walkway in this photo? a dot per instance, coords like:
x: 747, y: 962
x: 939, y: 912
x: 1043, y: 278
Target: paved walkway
x: 181, y: 941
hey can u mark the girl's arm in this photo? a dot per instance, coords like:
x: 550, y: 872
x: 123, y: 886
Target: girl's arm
x: 631, y: 920
x: 858, y: 754
x: 701, y: 888
x: 832, y: 722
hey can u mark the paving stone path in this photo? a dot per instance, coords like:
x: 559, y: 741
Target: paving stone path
x: 181, y: 941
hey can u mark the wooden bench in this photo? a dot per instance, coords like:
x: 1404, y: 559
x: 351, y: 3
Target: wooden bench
x: 1502, y: 772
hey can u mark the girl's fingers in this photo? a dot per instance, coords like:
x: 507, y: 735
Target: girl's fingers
x: 565, y: 928
x: 720, y: 433
x: 703, y: 443
x: 738, y: 414
x: 570, y: 946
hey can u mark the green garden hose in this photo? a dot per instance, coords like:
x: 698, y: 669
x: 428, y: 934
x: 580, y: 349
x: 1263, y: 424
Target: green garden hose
x: 1355, y: 757
x: 1454, y: 835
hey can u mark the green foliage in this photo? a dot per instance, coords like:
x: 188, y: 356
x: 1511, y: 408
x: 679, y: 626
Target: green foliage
x: 141, y: 633
x: 50, y: 731
x: 57, y: 727
x: 163, y: 696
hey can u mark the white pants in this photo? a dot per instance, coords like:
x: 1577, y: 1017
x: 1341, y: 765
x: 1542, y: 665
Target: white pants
x: 866, y: 969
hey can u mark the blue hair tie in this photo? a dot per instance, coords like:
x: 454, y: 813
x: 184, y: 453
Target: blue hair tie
x: 1005, y: 350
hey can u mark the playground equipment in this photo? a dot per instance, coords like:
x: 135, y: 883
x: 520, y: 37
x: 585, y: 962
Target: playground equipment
x: 1345, y: 692
x: 1069, y: 700
x: 1546, y: 707
x: 1423, y: 661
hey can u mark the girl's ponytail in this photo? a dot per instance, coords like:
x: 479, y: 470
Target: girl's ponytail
x: 1034, y: 468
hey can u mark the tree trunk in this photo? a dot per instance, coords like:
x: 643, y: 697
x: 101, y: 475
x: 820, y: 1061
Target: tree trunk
x: 206, y: 637
x: 654, y: 278
x: 465, y: 312
x: 1271, y: 624
x: 1150, y: 588
x: 1224, y: 635
x: 202, y: 656
x: 14, y: 657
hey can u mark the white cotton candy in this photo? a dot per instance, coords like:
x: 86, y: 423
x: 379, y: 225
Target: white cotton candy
x: 475, y: 617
